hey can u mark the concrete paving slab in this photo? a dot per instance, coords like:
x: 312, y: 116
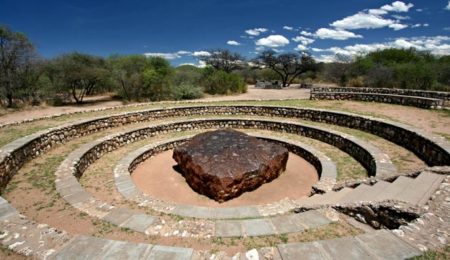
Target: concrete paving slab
x: 386, y: 245
x: 310, y: 251
x: 139, y: 222
x: 229, y: 228
x: 170, y: 253
x: 257, y: 227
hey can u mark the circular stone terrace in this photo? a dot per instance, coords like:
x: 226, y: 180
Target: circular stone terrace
x: 370, y: 183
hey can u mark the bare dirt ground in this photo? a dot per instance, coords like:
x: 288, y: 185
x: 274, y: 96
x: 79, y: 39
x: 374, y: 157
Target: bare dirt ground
x: 96, y: 102
x: 153, y: 176
x: 9, y: 116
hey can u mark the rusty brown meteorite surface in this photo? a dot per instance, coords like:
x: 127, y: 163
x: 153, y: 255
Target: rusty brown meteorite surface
x: 223, y: 164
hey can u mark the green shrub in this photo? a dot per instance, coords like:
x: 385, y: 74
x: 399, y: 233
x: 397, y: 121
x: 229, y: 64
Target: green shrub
x: 221, y: 82
x: 186, y: 91
x: 357, y: 82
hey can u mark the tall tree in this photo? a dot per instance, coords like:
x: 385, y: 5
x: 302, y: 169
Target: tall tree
x: 16, y: 56
x: 288, y: 66
x: 127, y: 71
x: 77, y: 73
x: 222, y: 59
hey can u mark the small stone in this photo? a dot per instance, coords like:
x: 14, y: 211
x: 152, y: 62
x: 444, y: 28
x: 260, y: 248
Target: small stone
x: 398, y: 232
x: 252, y: 255
x: 442, y: 240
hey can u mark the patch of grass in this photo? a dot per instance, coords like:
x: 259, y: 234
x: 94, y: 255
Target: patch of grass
x: 284, y: 238
x: 442, y: 254
x: 102, y: 227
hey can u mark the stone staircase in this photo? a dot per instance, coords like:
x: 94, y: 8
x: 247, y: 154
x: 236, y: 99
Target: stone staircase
x: 414, y: 191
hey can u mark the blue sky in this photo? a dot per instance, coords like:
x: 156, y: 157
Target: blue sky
x: 182, y: 30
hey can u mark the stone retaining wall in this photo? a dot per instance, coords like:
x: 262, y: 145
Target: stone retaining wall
x: 433, y: 150
x: 391, y: 91
x: 355, y: 148
x: 383, y: 98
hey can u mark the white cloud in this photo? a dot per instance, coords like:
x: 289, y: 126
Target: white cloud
x: 201, y: 53
x: 377, y: 11
x: 362, y: 21
x: 401, y: 17
x: 438, y: 45
x: 397, y: 26
x: 373, y: 18
x: 303, y: 40
x: 397, y: 6
x: 448, y: 6
x: 419, y: 10
x: 305, y: 33
x: 273, y: 41
x: 234, y: 43
x: 301, y: 47
x: 420, y: 25
x: 169, y: 56
x: 325, y: 33
x: 183, y: 52
x: 289, y: 28
x: 255, y: 31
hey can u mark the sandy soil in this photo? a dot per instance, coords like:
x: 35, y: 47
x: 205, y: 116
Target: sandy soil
x: 420, y: 118
x: 253, y: 93
x: 292, y: 92
x: 8, y: 116
x: 157, y: 178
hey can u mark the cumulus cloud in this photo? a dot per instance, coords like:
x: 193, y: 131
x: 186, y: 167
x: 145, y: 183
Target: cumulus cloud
x: 234, y: 43
x: 397, y: 6
x: 448, y: 6
x: 255, y: 31
x: 325, y: 33
x: 305, y: 33
x: 273, y: 41
x: 183, y: 52
x: 397, y: 26
x: 373, y: 18
x: 303, y: 40
x: 301, y: 47
x: 201, y: 53
x: 165, y: 55
x: 289, y: 28
x: 168, y: 55
x: 362, y: 21
x: 401, y: 17
x: 438, y: 45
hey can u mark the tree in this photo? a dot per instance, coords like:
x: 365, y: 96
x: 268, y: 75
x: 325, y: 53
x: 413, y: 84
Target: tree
x: 79, y: 74
x: 288, y: 66
x: 127, y: 72
x: 156, y: 79
x: 16, y: 58
x: 222, y: 59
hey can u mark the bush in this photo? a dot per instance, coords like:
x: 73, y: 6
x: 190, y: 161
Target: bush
x: 221, y: 82
x: 186, y: 91
x: 357, y: 82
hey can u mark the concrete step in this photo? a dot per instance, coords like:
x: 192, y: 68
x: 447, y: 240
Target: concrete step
x: 374, y: 191
x: 355, y: 194
x: 324, y: 199
x: 421, y: 188
x: 398, y: 186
